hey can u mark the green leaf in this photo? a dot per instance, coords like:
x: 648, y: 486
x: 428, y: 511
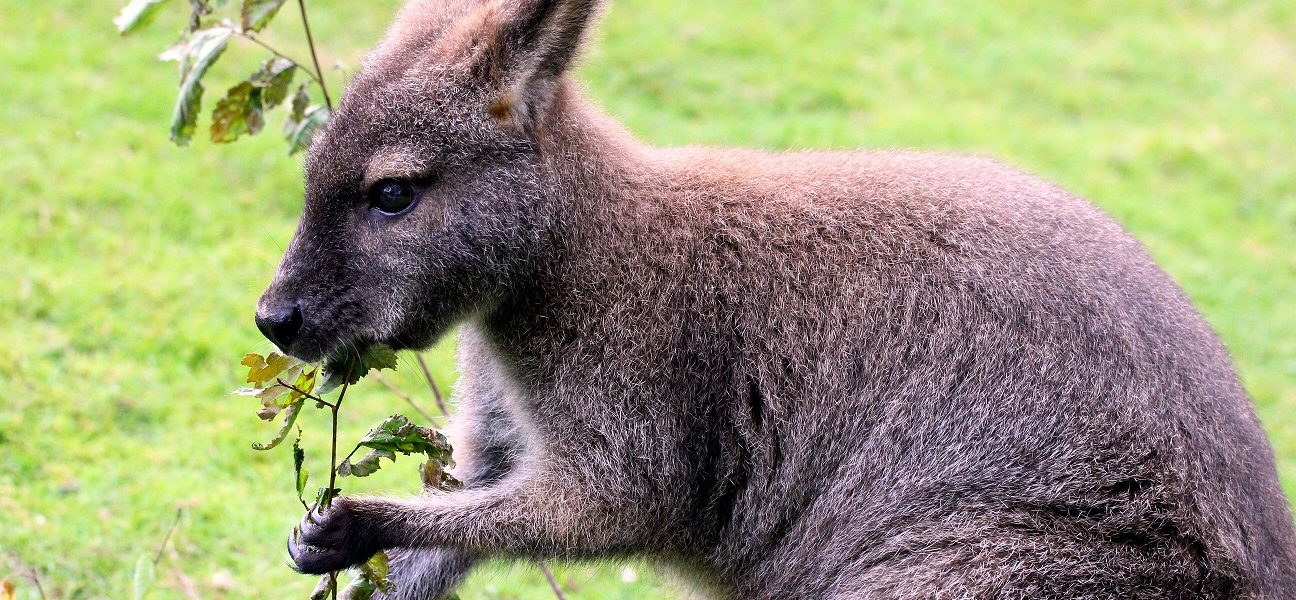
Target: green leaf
x: 396, y: 434
x: 201, y: 50
x: 242, y: 109
x: 290, y: 417
x: 365, y: 466
x: 375, y: 357
x: 273, y: 78
x: 238, y: 113
x: 136, y: 14
x: 145, y: 575
x: 375, y: 571
x: 325, y: 496
x: 264, y: 369
x: 378, y: 357
x: 300, y: 101
x: 299, y: 458
x: 256, y: 14
x: 301, y: 131
x: 305, y: 383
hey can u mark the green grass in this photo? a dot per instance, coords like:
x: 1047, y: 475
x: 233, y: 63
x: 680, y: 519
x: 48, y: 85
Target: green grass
x: 130, y: 267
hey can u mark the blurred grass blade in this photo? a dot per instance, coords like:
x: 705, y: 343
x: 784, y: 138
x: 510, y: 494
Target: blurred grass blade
x: 145, y: 575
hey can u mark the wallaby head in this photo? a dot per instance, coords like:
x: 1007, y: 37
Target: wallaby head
x: 425, y: 195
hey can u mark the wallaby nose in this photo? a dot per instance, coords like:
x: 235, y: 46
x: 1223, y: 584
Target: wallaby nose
x: 281, y: 324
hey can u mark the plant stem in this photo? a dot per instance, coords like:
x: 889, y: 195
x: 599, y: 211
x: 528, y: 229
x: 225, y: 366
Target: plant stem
x: 256, y: 40
x: 35, y: 577
x: 436, y: 392
x: 403, y: 396
x: 350, y: 454
x: 328, y: 494
x: 310, y: 41
x: 553, y: 582
x: 158, y: 558
x: 307, y: 395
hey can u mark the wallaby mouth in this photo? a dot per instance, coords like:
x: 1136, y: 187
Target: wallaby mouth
x: 308, y: 337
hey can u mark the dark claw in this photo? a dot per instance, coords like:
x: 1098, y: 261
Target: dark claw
x: 328, y: 541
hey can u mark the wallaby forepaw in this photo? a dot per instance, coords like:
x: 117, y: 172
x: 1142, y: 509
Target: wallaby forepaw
x: 330, y: 540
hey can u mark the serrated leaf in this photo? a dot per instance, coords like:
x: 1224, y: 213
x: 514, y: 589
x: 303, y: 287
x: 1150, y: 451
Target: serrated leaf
x: 136, y: 14
x: 300, y: 101
x: 305, y: 383
x: 203, y: 48
x: 290, y: 417
x: 397, y: 434
x: 375, y: 357
x: 378, y: 357
x: 262, y: 370
x: 274, y: 77
x: 238, y: 113
x: 366, y: 466
x: 242, y: 109
x: 145, y: 575
x: 256, y: 14
x: 303, y: 130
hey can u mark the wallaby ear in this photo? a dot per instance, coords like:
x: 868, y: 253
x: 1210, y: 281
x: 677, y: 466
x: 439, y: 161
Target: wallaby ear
x: 536, y: 41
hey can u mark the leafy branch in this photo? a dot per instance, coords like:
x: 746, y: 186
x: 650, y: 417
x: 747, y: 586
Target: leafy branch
x: 269, y: 378
x: 282, y: 384
x: 242, y: 110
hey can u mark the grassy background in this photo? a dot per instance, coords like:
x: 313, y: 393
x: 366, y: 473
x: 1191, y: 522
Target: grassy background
x: 129, y: 268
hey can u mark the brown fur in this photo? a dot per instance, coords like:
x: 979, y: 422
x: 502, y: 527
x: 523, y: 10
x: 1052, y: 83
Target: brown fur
x: 814, y: 375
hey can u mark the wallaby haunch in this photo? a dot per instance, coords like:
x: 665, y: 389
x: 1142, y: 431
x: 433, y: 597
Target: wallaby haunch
x: 813, y: 375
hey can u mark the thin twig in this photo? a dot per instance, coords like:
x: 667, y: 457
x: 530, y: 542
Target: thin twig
x: 167, y: 538
x: 350, y: 454
x: 35, y: 577
x: 306, y: 394
x: 310, y: 41
x: 333, y: 451
x: 328, y: 495
x: 19, y: 566
x: 553, y: 582
x: 403, y: 396
x: 436, y: 392
x: 256, y: 40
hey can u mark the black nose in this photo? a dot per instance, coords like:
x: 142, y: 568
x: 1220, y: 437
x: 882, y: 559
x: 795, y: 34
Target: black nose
x: 281, y: 324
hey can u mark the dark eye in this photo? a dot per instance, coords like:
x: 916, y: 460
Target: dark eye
x: 391, y: 196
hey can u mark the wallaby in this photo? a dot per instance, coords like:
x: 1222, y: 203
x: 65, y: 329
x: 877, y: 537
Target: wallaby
x: 800, y: 375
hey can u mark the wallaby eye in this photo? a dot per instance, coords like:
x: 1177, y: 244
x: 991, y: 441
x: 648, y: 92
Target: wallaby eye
x: 391, y: 196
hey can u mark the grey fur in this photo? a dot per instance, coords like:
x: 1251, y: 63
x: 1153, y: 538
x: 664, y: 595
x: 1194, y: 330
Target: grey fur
x: 814, y: 375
